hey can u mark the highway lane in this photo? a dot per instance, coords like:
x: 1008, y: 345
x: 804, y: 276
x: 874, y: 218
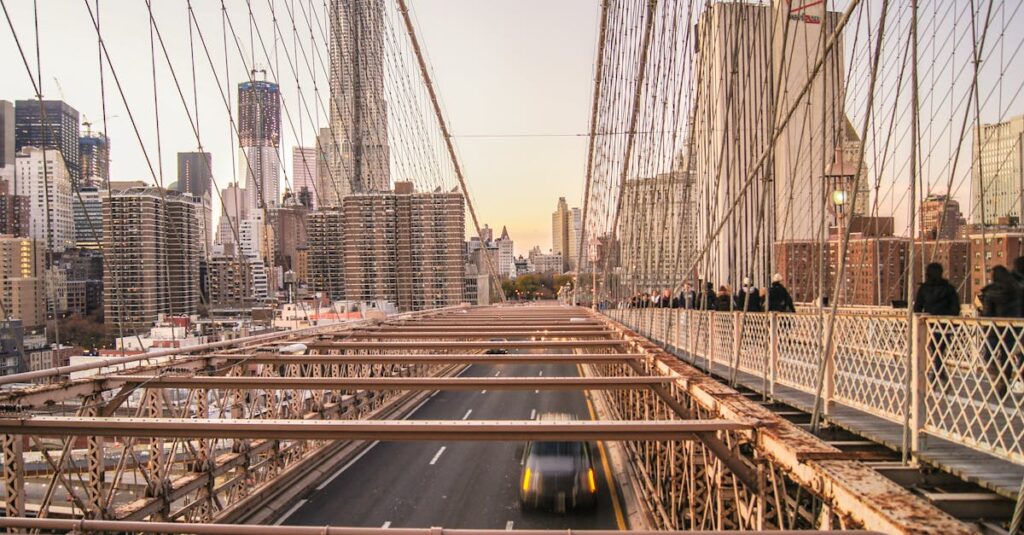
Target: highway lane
x: 455, y: 484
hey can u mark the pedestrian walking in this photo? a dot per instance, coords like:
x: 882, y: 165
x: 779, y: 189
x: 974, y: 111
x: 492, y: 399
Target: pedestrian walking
x: 1000, y: 299
x: 937, y: 297
x: 749, y: 297
x: 779, y: 299
x: 687, y: 297
x: 723, y: 301
x: 707, y: 298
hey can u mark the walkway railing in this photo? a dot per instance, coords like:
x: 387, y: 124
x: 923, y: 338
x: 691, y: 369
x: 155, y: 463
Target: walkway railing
x: 964, y: 375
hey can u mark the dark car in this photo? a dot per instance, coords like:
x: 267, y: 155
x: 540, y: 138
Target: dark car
x: 558, y: 475
x: 497, y: 350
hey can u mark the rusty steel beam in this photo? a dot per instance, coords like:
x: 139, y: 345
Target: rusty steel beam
x: 390, y: 383
x: 464, y: 358
x: 385, y: 430
x: 487, y: 334
x: 514, y: 344
x: 85, y: 526
x: 421, y: 326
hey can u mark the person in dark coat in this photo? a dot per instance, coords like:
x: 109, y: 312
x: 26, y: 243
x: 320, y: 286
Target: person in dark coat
x: 723, y: 301
x: 749, y: 297
x: 687, y: 297
x: 779, y: 299
x: 1018, y: 270
x: 1000, y: 299
x: 936, y: 296
x: 707, y: 300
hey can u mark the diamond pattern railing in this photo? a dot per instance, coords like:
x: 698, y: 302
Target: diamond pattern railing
x: 871, y: 364
x: 975, y: 383
x: 966, y: 375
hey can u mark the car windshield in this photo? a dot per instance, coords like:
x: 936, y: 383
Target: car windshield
x: 557, y: 449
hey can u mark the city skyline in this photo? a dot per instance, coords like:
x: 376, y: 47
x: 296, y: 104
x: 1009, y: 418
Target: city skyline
x: 479, y: 97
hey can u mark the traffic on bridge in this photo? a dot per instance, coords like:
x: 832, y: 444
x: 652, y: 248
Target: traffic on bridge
x: 258, y: 274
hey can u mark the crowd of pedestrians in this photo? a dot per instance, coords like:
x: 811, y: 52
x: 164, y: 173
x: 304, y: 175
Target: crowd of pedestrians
x: 775, y: 298
x: 1002, y: 297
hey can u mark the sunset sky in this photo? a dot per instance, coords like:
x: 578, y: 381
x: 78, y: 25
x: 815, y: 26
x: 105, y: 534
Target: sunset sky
x: 520, y: 71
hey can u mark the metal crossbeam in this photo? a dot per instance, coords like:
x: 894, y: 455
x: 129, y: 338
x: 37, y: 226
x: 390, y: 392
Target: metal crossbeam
x: 463, y: 358
x: 515, y: 344
x: 386, y: 430
x: 391, y: 383
x: 481, y: 334
x: 242, y: 529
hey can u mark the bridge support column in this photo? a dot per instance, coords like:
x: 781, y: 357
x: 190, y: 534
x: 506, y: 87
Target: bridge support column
x: 918, y: 390
x: 14, y: 474
x: 96, y: 465
x: 773, y: 352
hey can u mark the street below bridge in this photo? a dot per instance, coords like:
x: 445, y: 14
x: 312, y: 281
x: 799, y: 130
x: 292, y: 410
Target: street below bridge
x: 471, y: 485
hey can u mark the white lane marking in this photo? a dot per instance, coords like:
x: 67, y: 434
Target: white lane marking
x: 438, y: 455
x: 483, y: 391
x: 366, y: 451
x: 386, y: 525
x: 533, y: 414
x: 290, y: 512
x: 466, y: 417
x: 497, y: 373
x: 347, y: 465
x: 435, y: 393
x: 508, y: 526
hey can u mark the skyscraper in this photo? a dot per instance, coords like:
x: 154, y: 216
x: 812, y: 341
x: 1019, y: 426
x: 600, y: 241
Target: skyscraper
x: 751, y: 62
x: 650, y: 230
x: 575, y: 235
x: 940, y: 218
x: 304, y: 176
x: 997, y: 174
x: 194, y: 173
x: 88, y: 216
x: 21, y: 279
x: 259, y: 136
x: 560, y: 223
x: 6, y: 136
x: 234, y: 209
x: 506, y: 255
x: 358, y: 114
x: 52, y: 125
x: 14, y: 210
x: 195, y: 176
x: 151, y: 249
x: 94, y: 156
x: 41, y: 176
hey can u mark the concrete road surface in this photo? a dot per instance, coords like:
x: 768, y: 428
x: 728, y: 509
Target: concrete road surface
x: 457, y: 484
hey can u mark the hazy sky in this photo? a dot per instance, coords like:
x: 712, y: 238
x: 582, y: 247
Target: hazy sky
x: 507, y: 68
x: 501, y: 68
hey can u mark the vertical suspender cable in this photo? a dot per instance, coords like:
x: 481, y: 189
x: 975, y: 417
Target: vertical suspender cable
x: 403, y: 8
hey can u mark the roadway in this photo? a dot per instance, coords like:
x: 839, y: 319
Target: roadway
x: 472, y: 485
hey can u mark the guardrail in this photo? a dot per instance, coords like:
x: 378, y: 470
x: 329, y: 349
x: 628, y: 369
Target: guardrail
x: 964, y: 375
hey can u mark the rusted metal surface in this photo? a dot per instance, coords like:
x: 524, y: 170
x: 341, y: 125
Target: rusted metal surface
x: 223, y: 423
x: 83, y: 526
x: 850, y: 489
x: 389, y: 383
x: 483, y: 334
x: 455, y: 358
x: 385, y: 345
x: 414, y: 430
